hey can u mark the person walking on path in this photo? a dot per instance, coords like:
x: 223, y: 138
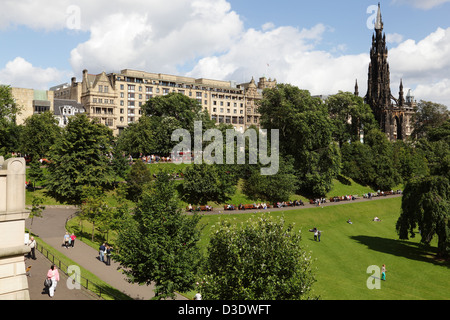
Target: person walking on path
x: 72, y: 239
x: 66, y: 240
x: 101, y: 252
x: 108, y: 255
x: 32, y: 245
x: 383, y: 272
x: 53, y: 275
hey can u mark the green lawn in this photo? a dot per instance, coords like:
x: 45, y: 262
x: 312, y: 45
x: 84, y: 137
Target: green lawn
x: 346, y: 251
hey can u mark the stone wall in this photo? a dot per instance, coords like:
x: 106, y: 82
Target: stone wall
x: 13, y: 279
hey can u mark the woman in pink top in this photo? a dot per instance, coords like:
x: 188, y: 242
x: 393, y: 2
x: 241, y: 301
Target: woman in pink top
x: 53, y: 274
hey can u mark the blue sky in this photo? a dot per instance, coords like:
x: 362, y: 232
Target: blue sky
x: 321, y: 45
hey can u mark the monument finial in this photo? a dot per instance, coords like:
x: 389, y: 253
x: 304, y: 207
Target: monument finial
x: 379, y: 21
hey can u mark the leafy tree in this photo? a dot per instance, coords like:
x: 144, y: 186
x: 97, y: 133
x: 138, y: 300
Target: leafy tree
x: 386, y: 176
x: 262, y: 259
x: 138, y: 179
x: 138, y: 137
x: 39, y: 133
x: 349, y: 115
x: 428, y: 115
x: 79, y: 158
x: 207, y: 182
x: 426, y: 204
x: 272, y: 188
x: 305, y: 131
x: 178, y: 106
x: 440, y: 133
x: 119, y: 162
x: 8, y: 108
x: 358, y: 162
x: 35, y: 172
x: 170, y: 112
x: 9, y: 131
x: 36, y: 209
x: 437, y: 154
x: 409, y: 161
x: 158, y: 243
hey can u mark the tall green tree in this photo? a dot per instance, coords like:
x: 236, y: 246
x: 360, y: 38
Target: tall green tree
x: 306, y: 134
x: 9, y: 130
x: 428, y: 115
x: 138, y: 137
x: 386, y: 176
x: 175, y: 111
x: 138, y: 179
x: 426, y: 205
x: 262, y: 259
x: 349, y: 115
x: 80, y: 157
x: 158, y: 243
x: 409, y: 160
x: 39, y: 133
x: 272, y: 188
x: 207, y: 182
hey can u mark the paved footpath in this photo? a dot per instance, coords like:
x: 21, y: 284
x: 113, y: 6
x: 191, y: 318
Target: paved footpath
x: 51, y: 229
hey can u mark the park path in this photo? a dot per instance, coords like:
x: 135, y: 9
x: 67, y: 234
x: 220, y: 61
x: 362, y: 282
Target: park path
x: 51, y: 229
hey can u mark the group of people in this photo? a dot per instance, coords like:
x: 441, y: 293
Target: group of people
x: 105, y: 251
x: 69, y: 240
x: 317, y: 233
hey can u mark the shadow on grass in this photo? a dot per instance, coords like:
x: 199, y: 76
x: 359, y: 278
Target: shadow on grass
x: 402, y: 248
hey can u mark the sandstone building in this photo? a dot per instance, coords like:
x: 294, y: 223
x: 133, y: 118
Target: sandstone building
x: 115, y: 99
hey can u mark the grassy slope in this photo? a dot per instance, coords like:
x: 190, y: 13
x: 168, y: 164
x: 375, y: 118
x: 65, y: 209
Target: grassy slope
x: 346, y: 251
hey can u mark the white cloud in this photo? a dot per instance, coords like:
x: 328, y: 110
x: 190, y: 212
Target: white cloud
x: 288, y: 55
x: 21, y: 73
x: 394, y: 38
x: 158, y: 38
x: 421, y: 4
x: 424, y: 65
x: 436, y: 92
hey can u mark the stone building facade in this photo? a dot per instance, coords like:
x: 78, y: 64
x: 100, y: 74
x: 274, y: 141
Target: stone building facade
x: 115, y: 99
x: 32, y: 101
x: 13, y: 279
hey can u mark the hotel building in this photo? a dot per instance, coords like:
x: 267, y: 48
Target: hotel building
x: 116, y: 99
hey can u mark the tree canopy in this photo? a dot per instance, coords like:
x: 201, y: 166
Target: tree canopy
x: 79, y: 157
x: 262, y: 259
x: 159, y: 243
x: 306, y: 134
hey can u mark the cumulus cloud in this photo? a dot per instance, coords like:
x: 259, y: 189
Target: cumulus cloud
x: 21, y: 73
x: 436, y: 92
x: 424, y: 65
x: 287, y: 54
x: 156, y: 37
